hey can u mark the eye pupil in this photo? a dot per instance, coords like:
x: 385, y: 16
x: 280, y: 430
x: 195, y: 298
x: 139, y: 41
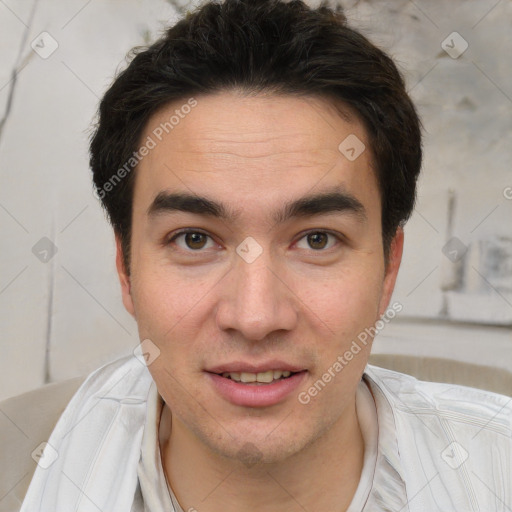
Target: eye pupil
x: 193, y: 240
x: 315, y: 240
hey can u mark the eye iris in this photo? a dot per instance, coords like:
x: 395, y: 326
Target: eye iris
x: 315, y: 240
x: 195, y: 240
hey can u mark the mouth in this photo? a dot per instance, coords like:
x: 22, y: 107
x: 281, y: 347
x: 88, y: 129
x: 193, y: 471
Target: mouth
x: 262, y: 388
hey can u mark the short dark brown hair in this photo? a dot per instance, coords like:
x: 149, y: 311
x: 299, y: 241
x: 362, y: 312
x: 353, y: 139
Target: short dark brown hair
x: 260, y: 46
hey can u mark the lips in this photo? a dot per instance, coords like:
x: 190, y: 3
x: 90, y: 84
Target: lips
x: 246, y: 367
x: 249, y: 384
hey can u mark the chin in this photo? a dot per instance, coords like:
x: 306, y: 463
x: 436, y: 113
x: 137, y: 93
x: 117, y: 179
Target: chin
x: 270, y: 447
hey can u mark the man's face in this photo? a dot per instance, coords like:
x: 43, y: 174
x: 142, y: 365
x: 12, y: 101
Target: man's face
x: 264, y: 287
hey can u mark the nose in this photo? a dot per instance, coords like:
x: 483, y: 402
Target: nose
x: 256, y: 300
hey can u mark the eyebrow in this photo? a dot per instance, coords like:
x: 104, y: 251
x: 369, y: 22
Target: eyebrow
x: 327, y: 202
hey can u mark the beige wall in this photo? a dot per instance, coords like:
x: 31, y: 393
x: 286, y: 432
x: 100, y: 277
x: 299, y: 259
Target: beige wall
x: 61, y: 314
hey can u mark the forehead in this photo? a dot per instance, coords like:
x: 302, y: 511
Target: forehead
x: 253, y: 150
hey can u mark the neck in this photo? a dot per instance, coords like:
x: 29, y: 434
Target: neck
x: 322, y: 477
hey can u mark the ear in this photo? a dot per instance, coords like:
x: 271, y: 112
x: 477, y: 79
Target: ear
x: 124, y: 278
x: 395, y: 258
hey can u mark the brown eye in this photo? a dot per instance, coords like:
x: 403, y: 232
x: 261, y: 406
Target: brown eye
x: 191, y: 240
x: 195, y: 240
x: 318, y: 240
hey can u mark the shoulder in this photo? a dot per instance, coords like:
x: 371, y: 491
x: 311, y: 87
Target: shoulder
x: 123, y: 373
x: 124, y: 380
x: 33, y: 417
x: 405, y: 389
x: 453, y: 443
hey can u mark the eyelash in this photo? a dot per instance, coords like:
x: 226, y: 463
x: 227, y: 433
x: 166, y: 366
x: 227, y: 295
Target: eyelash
x: 338, y: 237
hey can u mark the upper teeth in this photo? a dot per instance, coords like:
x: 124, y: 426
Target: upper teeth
x: 257, y: 377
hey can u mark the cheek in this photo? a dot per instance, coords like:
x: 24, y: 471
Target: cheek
x: 165, y: 301
x: 344, y: 304
x: 172, y: 312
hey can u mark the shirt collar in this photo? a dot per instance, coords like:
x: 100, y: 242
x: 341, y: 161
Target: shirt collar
x: 388, y: 493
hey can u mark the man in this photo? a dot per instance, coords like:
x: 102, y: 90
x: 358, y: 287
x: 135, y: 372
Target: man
x: 257, y: 164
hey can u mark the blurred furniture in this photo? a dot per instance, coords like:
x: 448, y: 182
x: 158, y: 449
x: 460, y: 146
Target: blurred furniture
x: 25, y: 422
